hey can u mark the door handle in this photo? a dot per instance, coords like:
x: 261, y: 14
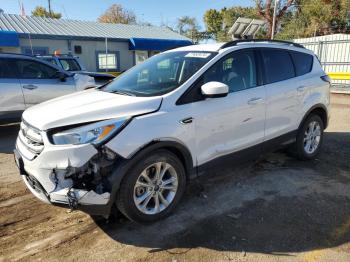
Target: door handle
x: 30, y: 87
x: 301, y: 89
x: 254, y: 100
x: 187, y: 120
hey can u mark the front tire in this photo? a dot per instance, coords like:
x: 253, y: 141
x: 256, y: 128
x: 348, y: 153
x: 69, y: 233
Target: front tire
x: 309, y: 138
x: 152, y: 188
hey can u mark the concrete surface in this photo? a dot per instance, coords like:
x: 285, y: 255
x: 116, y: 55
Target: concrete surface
x: 275, y: 209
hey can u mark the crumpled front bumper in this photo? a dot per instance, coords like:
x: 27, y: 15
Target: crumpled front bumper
x: 45, y: 176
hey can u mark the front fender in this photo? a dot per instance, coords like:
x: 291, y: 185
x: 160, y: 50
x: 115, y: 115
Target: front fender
x: 123, y: 165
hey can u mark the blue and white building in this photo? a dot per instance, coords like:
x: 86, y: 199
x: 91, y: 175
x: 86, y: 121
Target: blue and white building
x: 100, y: 46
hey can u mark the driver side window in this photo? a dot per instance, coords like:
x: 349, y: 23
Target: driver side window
x: 237, y: 70
x: 29, y: 69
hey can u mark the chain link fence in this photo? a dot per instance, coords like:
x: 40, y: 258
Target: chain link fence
x: 333, y: 52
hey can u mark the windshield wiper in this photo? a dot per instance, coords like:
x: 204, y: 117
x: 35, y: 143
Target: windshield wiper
x: 124, y: 93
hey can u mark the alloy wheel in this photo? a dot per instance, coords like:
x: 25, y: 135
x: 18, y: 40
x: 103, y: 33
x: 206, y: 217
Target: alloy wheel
x: 155, y: 188
x: 312, y: 137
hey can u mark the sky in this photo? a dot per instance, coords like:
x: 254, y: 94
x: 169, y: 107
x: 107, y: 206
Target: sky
x: 154, y: 11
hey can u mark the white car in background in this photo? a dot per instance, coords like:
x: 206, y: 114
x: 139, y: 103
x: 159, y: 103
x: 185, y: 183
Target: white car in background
x: 135, y: 142
x: 73, y: 65
x: 26, y: 81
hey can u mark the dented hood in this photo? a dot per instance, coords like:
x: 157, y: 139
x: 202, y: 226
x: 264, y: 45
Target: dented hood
x: 88, y: 106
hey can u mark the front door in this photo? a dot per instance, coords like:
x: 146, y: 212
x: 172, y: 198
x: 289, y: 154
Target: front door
x: 235, y: 122
x: 40, y: 82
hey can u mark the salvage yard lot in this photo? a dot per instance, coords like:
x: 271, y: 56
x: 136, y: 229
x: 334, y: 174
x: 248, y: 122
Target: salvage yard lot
x: 276, y: 208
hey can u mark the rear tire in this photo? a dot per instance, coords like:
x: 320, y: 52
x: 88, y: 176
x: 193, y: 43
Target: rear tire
x: 309, y: 138
x: 152, y: 188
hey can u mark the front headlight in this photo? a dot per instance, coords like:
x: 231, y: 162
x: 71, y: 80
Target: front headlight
x: 95, y: 133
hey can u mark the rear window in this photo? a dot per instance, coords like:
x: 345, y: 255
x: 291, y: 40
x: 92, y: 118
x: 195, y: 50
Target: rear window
x: 278, y: 65
x: 303, y: 62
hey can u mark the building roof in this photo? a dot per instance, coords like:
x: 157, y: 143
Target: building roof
x: 75, y: 28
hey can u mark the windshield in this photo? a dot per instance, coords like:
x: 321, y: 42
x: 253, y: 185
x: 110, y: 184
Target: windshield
x: 69, y: 64
x: 50, y: 60
x: 160, y: 74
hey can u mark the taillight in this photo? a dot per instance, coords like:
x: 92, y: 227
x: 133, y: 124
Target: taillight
x: 326, y: 78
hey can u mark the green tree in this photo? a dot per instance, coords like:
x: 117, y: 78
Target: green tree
x: 117, y: 14
x: 317, y: 17
x: 188, y: 26
x: 213, y: 20
x: 42, y: 12
x: 219, y: 22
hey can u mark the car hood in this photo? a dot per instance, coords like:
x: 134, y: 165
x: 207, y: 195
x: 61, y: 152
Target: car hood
x: 88, y: 106
x: 94, y: 74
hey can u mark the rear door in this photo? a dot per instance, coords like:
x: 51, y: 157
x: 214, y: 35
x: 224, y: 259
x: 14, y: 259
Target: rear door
x: 11, y: 96
x: 305, y: 82
x: 282, y: 102
x: 40, y: 82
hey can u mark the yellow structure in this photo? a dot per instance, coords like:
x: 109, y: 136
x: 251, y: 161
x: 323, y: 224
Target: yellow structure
x: 339, y: 76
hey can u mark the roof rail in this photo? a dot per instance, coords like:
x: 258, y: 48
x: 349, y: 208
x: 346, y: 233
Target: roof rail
x: 236, y: 42
x: 57, y: 55
x: 18, y: 54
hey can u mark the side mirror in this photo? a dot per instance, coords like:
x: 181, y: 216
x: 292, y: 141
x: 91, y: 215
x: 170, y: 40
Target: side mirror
x: 214, y: 89
x: 61, y: 76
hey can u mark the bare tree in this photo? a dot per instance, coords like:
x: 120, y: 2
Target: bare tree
x: 117, y: 14
x: 265, y: 10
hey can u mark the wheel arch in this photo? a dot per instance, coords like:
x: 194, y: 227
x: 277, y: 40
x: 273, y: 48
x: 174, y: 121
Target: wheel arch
x: 123, y: 165
x: 320, y: 110
x: 178, y: 149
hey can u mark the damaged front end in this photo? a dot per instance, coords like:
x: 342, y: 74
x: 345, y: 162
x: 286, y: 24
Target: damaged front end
x: 86, y: 185
x: 71, y: 166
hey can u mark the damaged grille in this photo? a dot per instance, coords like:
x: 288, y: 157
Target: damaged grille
x: 30, y: 142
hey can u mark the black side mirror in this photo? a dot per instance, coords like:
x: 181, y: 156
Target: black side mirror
x: 61, y: 76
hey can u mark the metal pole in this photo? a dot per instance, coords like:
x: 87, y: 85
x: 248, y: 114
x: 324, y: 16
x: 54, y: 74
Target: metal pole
x: 106, y: 53
x: 50, y: 8
x: 31, y: 44
x: 274, y: 20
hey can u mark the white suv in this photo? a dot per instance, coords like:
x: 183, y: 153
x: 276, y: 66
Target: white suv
x: 136, y: 141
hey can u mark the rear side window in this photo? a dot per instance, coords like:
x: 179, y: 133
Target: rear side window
x: 278, y: 65
x: 6, y: 69
x: 303, y: 63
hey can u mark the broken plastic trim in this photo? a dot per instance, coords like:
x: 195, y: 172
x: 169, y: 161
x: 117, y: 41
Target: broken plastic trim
x: 86, y: 185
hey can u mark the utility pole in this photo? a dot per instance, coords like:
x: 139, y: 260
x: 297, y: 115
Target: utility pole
x: 50, y: 7
x: 274, y: 20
